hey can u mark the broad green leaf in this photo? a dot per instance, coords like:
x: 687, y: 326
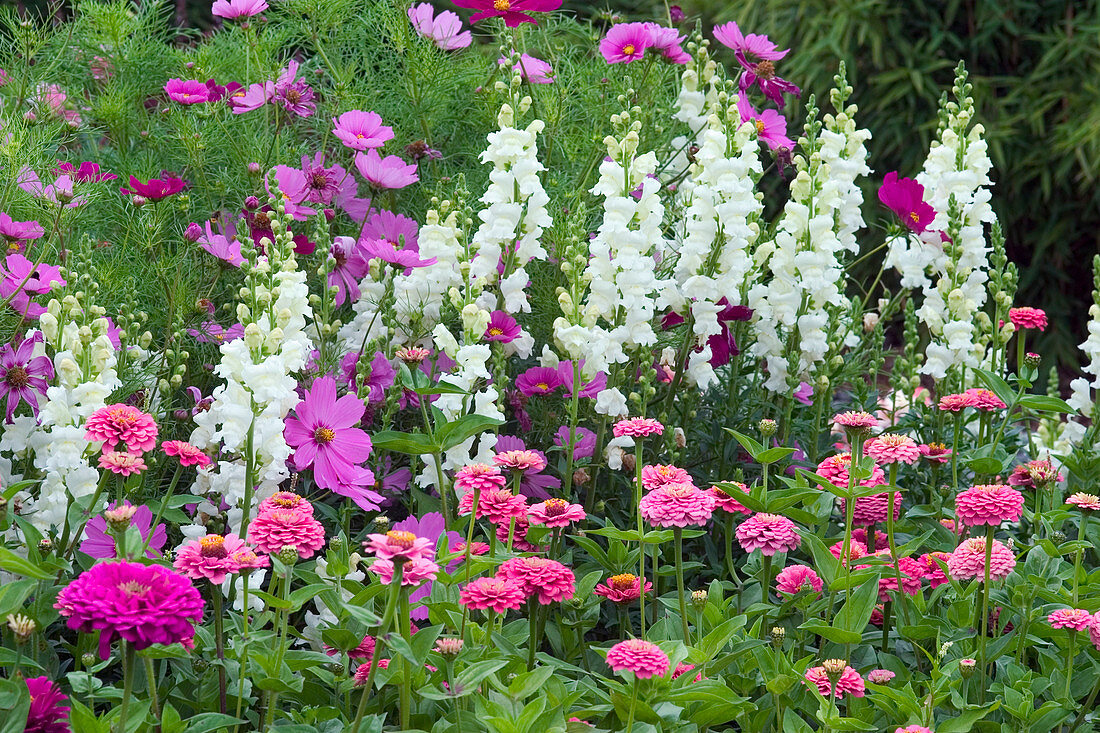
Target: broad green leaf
x: 751, y: 446
x: 207, y: 722
x: 415, y: 444
x: 997, y: 385
x: 467, y: 426
x: 964, y: 721
x: 832, y: 633
x: 1044, y: 403
x: 856, y: 611
x: 14, y: 564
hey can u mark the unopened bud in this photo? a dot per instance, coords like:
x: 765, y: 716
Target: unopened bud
x: 193, y: 232
x: 779, y: 634
x: 21, y: 626
x: 966, y: 667
x: 679, y: 438
x: 833, y: 667
x: 1058, y: 537
x: 138, y: 201
x: 1032, y: 360
x: 699, y: 599
x: 118, y: 519
x: 449, y: 647
x: 288, y: 555
x: 337, y: 543
x: 45, y: 545
x: 381, y: 523
x: 581, y: 477
x: 254, y: 169
x: 768, y: 427
x: 88, y: 659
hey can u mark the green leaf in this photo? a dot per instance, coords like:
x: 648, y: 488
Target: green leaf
x: 82, y: 719
x: 751, y: 446
x: 464, y: 427
x: 964, y: 721
x: 827, y: 565
x: 832, y: 633
x: 13, y: 594
x: 413, y: 444
x: 206, y: 722
x: 468, y: 679
x: 771, y: 455
x: 856, y: 611
x: 527, y: 684
x: 997, y: 385
x: 14, y: 564
x: 299, y: 597
x: 988, y: 465
x: 17, y: 702
x: 1044, y: 403
x: 416, y: 650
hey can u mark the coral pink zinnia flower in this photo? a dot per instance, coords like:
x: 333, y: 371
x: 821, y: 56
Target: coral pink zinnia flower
x: 726, y: 502
x: 413, y: 572
x: 405, y: 545
x: 956, y: 402
x: 935, y: 452
x: 637, y: 427
x: 856, y: 550
x: 880, y: 676
x: 905, y: 197
x: 644, y: 658
x: 989, y: 504
x: 498, y: 505
x: 124, y: 464
x: 498, y: 594
x: 769, y: 533
x: 968, y: 560
x: 849, y: 681
x: 122, y: 423
x: 143, y: 604
x: 549, y: 579
x: 1070, y: 618
x: 48, y: 712
x: 514, y: 12
x: 893, y: 448
x: 274, y: 530
x: 622, y: 588
x: 1028, y: 318
x: 555, y: 513
x: 520, y: 460
x: 479, y: 476
x: 933, y: 570
x: 913, y: 728
x: 1085, y: 502
x: 984, y: 399
x: 661, y: 475
x: 794, y: 579
x: 188, y: 454
x: 211, y: 557
x: 677, y: 505
x: 285, y: 500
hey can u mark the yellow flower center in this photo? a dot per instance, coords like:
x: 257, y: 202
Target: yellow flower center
x: 914, y: 217
x: 543, y: 385
x: 401, y: 539
x: 494, y: 331
x: 324, y: 435
x: 133, y: 588
x: 213, y: 545
x: 555, y: 507
x: 759, y: 127
x: 623, y: 582
x: 501, y: 5
x: 628, y: 49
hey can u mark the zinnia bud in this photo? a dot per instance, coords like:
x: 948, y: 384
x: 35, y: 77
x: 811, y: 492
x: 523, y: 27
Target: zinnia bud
x: 21, y: 626
x: 288, y: 555
x: 381, y: 523
x: 699, y: 599
x: 779, y: 634
x: 966, y: 667
x: 768, y: 428
x: 833, y: 667
x: 449, y: 648
x: 118, y: 519
x: 1032, y: 360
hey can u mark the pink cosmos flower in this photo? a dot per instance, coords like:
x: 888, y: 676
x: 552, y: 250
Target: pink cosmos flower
x: 726, y: 502
x: 661, y: 475
x: 210, y: 557
x: 294, y: 94
x: 763, y: 73
x: 402, y: 258
x: 531, y: 69
x: 933, y: 570
x: 668, y: 43
x: 286, y: 501
x: 396, y: 543
x: 157, y: 188
x: 59, y: 192
x: 122, y: 463
x: 324, y: 437
x: 85, y: 173
x: 794, y: 579
x: 445, y: 29
x: 352, y: 265
x: 514, y: 12
x: 905, y: 197
x: 550, y: 580
x: 880, y: 677
x: 1026, y: 317
x: 100, y: 544
x: 499, y: 594
x: 637, y: 427
x: 360, y: 130
x: 188, y: 454
x: 873, y: 509
x: 233, y: 9
x: 625, y: 42
x: 279, y: 528
x: 388, y: 172
x: 24, y: 376
x: 143, y: 604
x: 771, y: 127
x: 252, y: 98
x: 18, y: 233
x: 584, y: 441
x: 48, y: 712
x: 555, y: 513
x: 1074, y: 619
x: 538, y: 380
x: 225, y: 246
x: 769, y: 533
x: 677, y: 505
x: 213, y: 333
x: 893, y: 448
x: 760, y: 46
x: 1084, y: 502
x: 624, y: 588
x: 479, y: 477
x: 520, y: 460
x: 502, y: 327
x: 989, y: 504
x: 187, y: 91
x: 413, y: 572
x: 122, y: 423
x: 849, y: 681
x: 968, y: 560
x: 935, y: 452
x: 644, y: 658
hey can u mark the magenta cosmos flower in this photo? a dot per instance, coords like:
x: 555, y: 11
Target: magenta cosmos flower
x: 502, y: 327
x: 361, y: 130
x: 211, y: 557
x: 677, y: 505
x: 760, y: 46
x: 625, y: 42
x: 769, y: 533
x: 1025, y: 317
x: 794, y: 579
x: 187, y: 91
x: 157, y: 188
x: 272, y: 531
x: 233, y: 9
x: 444, y: 30
x: 989, y: 504
x: 24, y: 376
x: 122, y: 423
x: 555, y: 513
x: 538, y: 380
x: 388, y: 172
x: 225, y: 245
x: 637, y: 427
x: 324, y: 437
x: 99, y: 543
x: 293, y: 93
x: 403, y: 258
x: 1074, y: 619
x: 514, y: 12
x: 968, y: 560
x: 499, y: 594
x: 48, y: 712
x: 771, y: 127
x: 548, y: 579
x: 849, y: 682
x: 623, y: 588
x: 143, y: 604
x: 644, y: 658
x: 668, y: 43
x: 905, y: 197
x: 531, y: 69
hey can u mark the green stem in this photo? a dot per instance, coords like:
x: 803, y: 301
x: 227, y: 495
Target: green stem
x: 678, y: 534
x: 1071, y: 654
x: 955, y: 454
x: 1077, y: 558
x: 407, y: 670
x: 151, y: 682
x: 128, y: 656
x: 982, y: 627
x: 633, y: 703
x: 219, y: 643
x: 641, y: 530
x: 765, y: 581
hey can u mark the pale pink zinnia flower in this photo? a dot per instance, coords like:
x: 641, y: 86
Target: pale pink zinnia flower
x: 555, y: 513
x: 769, y: 533
x: 622, y: 588
x: 660, y: 475
x: 479, y: 476
x: 285, y: 500
x: 498, y: 505
x: 405, y: 545
x: 1070, y: 618
x: 550, y: 580
x: 520, y: 460
x: 211, y: 557
x: 727, y: 503
x: 859, y: 421
x: 849, y: 681
x: 984, y: 399
x: 956, y: 402
x: 1085, y: 502
x: 498, y: 594
x: 122, y: 423
x: 1026, y: 317
x: 880, y: 676
x: 188, y: 454
x: 989, y: 504
x: 637, y: 427
x: 274, y: 530
x: 893, y: 448
x: 968, y: 560
x: 794, y: 579
x: 677, y: 505
x: 644, y: 658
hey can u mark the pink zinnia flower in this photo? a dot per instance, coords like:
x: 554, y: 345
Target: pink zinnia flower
x: 233, y: 9
x: 637, y: 427
x: 476, y: 548
x: 1074, y: 619
x: 989, y: 504
x: 48, y: 712
x: 478, y: 476
x: 661, y: 475
x: 24, y: 376
x: 287, y: 501
x: 933, y: 570
x: 1094, y: 630
x: 912, y: 728
x: 1034, y: 474
x: 122, y: 423
x: 880, y: 677
x: 550, y: 580
x: 361, y: 130
x: 893, y: 448
x: 849, y: 681
x: 531, y: 69
x: 644, y: 658
x: 497, y: 505
x: 538, y: 380
x: 677, y: 505
x: 769, y: 533
x: 794, y: 579
x: 122, y: 463
x: 1028, y: 318
x: 911, y: 572
x: 393, y: 544
x: 413, y: 572
x: 859, y: 421
x: 760, y: 46
x: 188, y: 454
x: 935, y: 452
x: 388, y: 172
x: 445, y: 29
x: 211, y: 557
x: 873, y: 509
x: 498, y: 594
x: 856, y: 550
x: 520, y: 460
x: 771, y: 127
x: 514, y: 12
x: 187, y: 91
x: 623, y: 588
x: 555, y: 513
x: 274, y: 530
x: 1085, y: 502
x: 984, y: 399
x: 727, y: 503
x: 835, y: 469
x: 905, y: 197
x: 143, y: 604
x: 968, y: 560
x: 682, y: 669
x: 956, y: 402
x: 625, y: 42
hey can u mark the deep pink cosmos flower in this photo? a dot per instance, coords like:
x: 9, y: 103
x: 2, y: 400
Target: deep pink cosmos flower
x: 100, y: 544
x: 538, y: 380
x: 87, y: 172
x: 849, y: 681
x: 644, y: 658
x: 623, y: 588
x: 143, y: 604
x: 401, y: 258
x: 1074, y: 619
x: 209, y: 332
x: 968, y: 560
x: 1025, y: 317
x: 555, y: 513
x: 122, y: 423
x: 21, y: 278
x: 400, y: 232
x: 677, y: 505
x: 272, y: 531
x: 352, y: 265
x: 584, y: 441
x: 549, y: 580
x: 324, y: 437
x: 502, y: 327
x: 637, y: 427
x: 905, y: 197
x: 728, y: 503
x: 498, y: 594
x: 989, y: 504
x: 233, y: 9
x: 187, y: 91
x: 225, y: 245
x: 625, y: 42
x: 769, y: 533
x: 444, y: 30
x: 293, y: 93
x: 388, y: 172
x: 589, y: 389
x: 256, y: 96
x: 211, y: 557
x: 361, y: 130
x: 16, y: 234
x: 771, y: 127
x: 157, y: 188
x: 24, y: 376
x: 48, y: 712
x: 382, y: 375
x: 531, y: 69
x: 760, y: 46
x: 668, y: 43
x: 794, y: 579
x: 514, y: 12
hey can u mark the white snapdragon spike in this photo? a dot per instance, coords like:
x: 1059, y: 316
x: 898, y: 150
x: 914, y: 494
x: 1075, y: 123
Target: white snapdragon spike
x: 801, y: 311
x: 1091, y: 346
x: 696, y: 102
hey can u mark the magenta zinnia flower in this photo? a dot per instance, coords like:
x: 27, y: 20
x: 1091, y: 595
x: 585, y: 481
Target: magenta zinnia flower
x: 794, y: 579
x: 1074, y: 619
x: 157, y: 188
x: 677, y: 505
x: 661, y: 475
x: 478, y: 477
x: 23, y: 376
x: 933, y: 570
x: 624, y: 588
x: 187, y: 91
x: 905, y: 197
x: 143, y: 604
x: 212, y: 557
x: 989, y: 504
x: 873, y: 509
x: 771, y: 127
x: 637, y: 427
x: 769, y: 533
x: 388, y: 172
x: 935, y: 452
x: 285, y: 500
x: 48, y: 712
x: 233, y: 9
x: 881, y: 677
x: 445, y: 29
x: 555, y: 513
x: 985, y: 399
x: 497, y: 505
x: 274, y: 530
x: 122, y: 423
x: 909, y: 728
x: 644, y: 658
x: 968, y: 560
x: 550, y: 580
x: 498, y: 594
x: 361, y: 130
x: 514, y: 12
x: 1026, y: 317
x: 625, y: 42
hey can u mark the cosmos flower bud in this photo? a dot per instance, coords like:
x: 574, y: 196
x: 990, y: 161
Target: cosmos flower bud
x: 193, y: 232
